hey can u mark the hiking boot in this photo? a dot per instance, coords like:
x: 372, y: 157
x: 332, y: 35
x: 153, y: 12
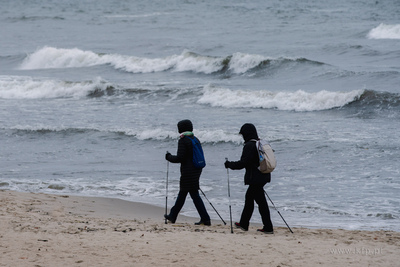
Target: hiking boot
x: 207, y: 223
x: 240, y: 227
x: 265, y: 231
x: 166, y: 216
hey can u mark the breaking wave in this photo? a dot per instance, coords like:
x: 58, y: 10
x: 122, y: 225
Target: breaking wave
x: 12, y: 87
x: 289, y: 101
x: 377, y: 101
x: 385, y: 31
x: 206, y: 135
x: 238, y: 63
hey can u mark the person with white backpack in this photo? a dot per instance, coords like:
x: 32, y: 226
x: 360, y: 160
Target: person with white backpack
x: 254, y: 178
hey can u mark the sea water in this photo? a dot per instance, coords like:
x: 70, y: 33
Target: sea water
x: 91, y: 92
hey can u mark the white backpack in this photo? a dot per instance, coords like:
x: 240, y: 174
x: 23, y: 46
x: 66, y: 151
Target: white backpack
x: 266, y: 156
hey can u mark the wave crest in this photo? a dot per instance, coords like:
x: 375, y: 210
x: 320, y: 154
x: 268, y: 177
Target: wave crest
x: 385, y: 31
x: 28, y: 88
x: 211, y: 136
x: 238, y: 63
x: 289, y: 101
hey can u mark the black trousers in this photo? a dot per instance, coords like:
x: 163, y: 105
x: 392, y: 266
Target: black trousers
x: 198, y: 203
x: 255, y: 193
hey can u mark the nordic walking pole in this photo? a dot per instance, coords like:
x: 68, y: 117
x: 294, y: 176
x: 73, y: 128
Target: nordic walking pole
x: 166, y: 193
x: 212, y: 206
x: 278, y: 211
x: 229, y: 196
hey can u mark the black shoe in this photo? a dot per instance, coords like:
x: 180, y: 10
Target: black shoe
x: 265, y: 231
x: 169, y: 218
x: 240, y: 227
x: 207, y: 223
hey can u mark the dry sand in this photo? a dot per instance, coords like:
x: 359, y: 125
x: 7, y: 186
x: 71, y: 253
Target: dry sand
x: 54, y: 230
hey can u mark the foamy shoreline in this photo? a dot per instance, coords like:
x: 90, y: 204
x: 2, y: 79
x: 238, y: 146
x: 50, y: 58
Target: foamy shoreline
x: 59, y: 230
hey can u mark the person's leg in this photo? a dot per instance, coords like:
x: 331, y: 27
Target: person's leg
x: 199, y: 204
x: 263, y: 208
x: 248, y: 208
x: 180, y: 201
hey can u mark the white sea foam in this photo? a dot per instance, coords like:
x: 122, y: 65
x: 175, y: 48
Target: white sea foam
x: 240, y: 62
x: 291, y: 101
x: 184, y: 62
x: 50, y: 57
x: 205, y: 136
x: 385, y: 31
x: 148, y: 134
x: 12, y: 87
x: 214, y: 136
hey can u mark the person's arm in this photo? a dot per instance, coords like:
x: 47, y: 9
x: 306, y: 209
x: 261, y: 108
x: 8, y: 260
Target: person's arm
x: 244, y: 161
x: 180, y: 154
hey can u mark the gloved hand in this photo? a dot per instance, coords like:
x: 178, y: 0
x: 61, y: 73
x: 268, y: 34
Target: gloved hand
x: 227, y: 163
x: 167, y: 155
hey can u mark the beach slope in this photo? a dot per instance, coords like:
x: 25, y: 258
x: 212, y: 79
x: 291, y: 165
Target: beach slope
x: 60, y: 230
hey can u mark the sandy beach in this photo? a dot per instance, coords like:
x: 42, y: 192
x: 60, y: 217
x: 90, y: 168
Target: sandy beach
x: 60, y: 230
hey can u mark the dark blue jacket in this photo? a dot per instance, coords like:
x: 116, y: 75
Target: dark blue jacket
x: 190, y: 175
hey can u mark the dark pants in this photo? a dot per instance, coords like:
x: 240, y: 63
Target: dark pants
x: 198, y: 203
x: 256, y: 193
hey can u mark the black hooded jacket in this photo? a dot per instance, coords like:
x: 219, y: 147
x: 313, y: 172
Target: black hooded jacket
x: 190, y: 175
x: 249, y: 159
